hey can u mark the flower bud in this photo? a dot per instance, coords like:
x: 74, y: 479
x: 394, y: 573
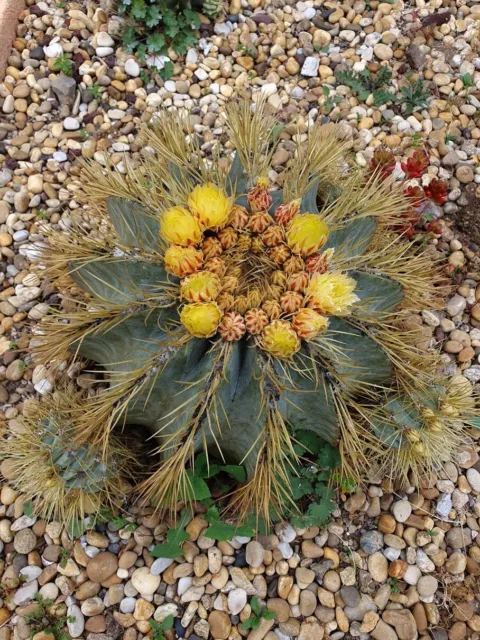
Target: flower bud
x: 182, y: 261
x: 291, y: 301
x: 286, y: 212
x: 259, y: 198
x: 308, y: 324
x: 256, y: 320
x: 232, y: 326
x: 238, y: 217
x: 202, y: 286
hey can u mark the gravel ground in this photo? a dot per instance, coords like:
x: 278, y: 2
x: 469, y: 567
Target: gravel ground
x: 395, y: 562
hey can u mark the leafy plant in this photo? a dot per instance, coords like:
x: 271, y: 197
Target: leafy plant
x: 42, y: 214
x: 258, y: 612
x: 310, y: 482
x: 219, y: 530
x: 63, y: 557
x: 414, y: 96
x: 41, y: 619
x: 155, y: 26
x: 393, y: 584
x: 175, y: 537
x: 63, y: 64
x: 96, y: 92
x: 364, y: 84
x: 159, y: 628
x: 467, y: 80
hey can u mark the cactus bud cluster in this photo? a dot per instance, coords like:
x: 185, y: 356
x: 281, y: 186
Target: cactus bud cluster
x: 253, y: 271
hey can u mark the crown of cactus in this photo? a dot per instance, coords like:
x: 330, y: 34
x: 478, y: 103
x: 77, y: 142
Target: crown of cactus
x: 63, y: 480
x: 227, y: 314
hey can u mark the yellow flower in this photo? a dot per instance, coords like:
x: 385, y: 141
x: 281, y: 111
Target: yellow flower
x: 202, y: 286
x: 308, y: 323
x: 182, y: 261
x: 178, y: 226
x: 280, y: 340
x: 201, y: 319
x: 306, y: 234
x: 331, y: 293
x: 210, y: 206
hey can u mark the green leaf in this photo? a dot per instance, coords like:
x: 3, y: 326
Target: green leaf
x: 135, y: 226
x: 320, y: 512
x: 248, y: 624
x: 198, y: 487
x: 156, y: 42
x: 75, y: 528
x: 167, y: 623
x: 255, y: 605
x: 329, y: 457
x: 309, y: 441
x: 28, y: 509
x: 175, y: 536
x: 223, y: 531
x: 300, y: 487
x: 268, y: 615
x: 236, y: 471
x: 377, y: 293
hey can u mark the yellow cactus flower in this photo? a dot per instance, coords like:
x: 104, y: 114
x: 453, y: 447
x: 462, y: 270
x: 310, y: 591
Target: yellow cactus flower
x: 306, y: 234
x: 182, y: 261
x: 178, y: 226
x: 201, y: 319
x: 308, y: 324
x: 210, y: 206
x: 202, y: 286
x: 331, y: 293
x: 280, y: 340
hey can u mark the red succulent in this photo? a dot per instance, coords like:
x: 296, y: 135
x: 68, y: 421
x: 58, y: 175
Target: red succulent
x: 382, y: 162
x: 437, y: 191
x: 416, y: 195
x: 415, y: 165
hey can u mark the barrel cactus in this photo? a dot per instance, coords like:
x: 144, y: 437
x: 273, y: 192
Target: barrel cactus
x: 62, y: 480
x: 228, y: 315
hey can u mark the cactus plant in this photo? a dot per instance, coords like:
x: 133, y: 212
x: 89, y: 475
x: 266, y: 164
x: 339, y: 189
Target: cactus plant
x: 63, y: 480
x: 226, y: 315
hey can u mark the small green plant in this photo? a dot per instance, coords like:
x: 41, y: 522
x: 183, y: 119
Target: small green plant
x: 251, y: 75
x: 330, y: 101
x: 43, y: 620
x: 311, y: 482
x: 122, y: 523
x: 21, y: 365
x: 63, y: 64
x: 63, y: 557
x: 393, y: 584
x: 467, y: 80
x: 431, y: 533
x: 364, y: 84
x: 416, y: 140
x: 60, y: 5
x: 42, y: 214
x: 159, y: 628
x: 96, y: 92
x: 155, y: 26
x: 258, y: 612
x: 414, y: 96
x: 449, y: 138
x: 13, y: 346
